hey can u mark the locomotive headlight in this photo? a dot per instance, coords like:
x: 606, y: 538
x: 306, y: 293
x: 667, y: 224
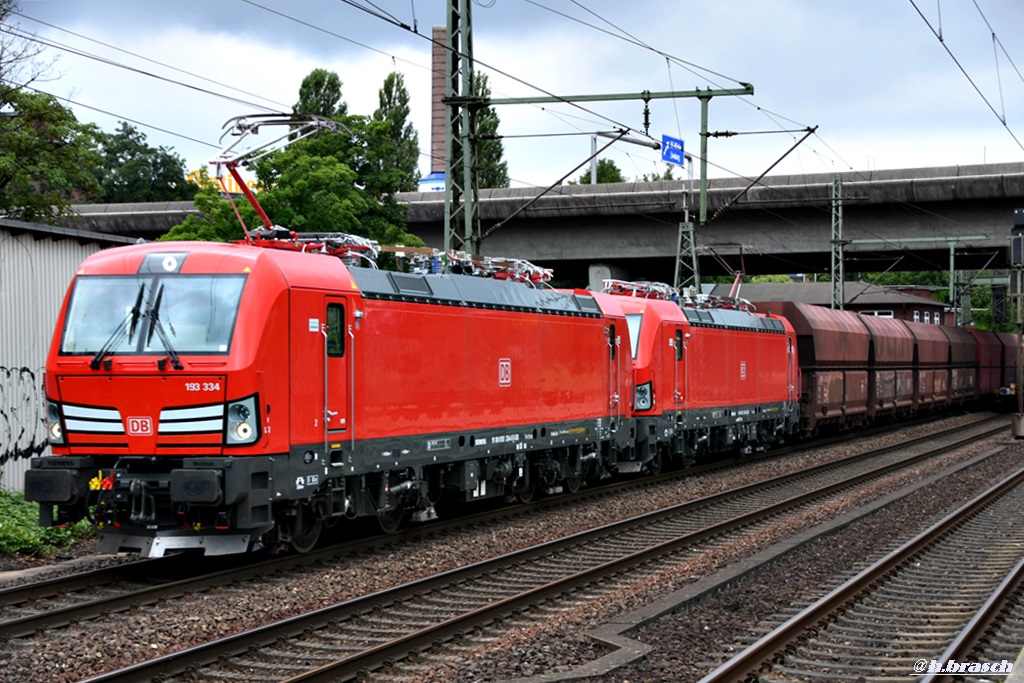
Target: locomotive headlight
x: 643, y: 397
x: 241, y: 422
x: 53, y: 425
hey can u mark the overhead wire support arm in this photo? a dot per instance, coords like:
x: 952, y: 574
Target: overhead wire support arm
x: 704, y: 95
x: 807, y: 133
x: 461, y: 216
x: 747, y: 89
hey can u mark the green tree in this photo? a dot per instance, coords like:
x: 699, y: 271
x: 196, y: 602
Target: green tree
x: 216, y: 221
x: 607, y: 172
x: 327, y: 182
x: 492, y: 170
x: 929, y: 278
x: 314, y: 193
x: 309, y: 186
x: 770, y: 278
x: 320, y: 95
x: 20, y: 62
x: 45, y: 153
x: 46, y: 157
x: 132, y: 171
x: 399, y: 148
x: 654, y: 177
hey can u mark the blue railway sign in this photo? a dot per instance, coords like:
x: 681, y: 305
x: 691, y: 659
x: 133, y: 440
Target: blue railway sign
x: 671, y: 150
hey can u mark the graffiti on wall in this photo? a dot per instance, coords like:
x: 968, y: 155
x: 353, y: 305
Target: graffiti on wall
x: 22, y: 413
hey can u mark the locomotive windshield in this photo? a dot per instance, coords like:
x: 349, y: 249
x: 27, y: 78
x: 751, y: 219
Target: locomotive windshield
x: 174, y: 314
x: 633, y: 321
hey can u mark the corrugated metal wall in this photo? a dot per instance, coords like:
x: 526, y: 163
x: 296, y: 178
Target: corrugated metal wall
x: 34, y: 275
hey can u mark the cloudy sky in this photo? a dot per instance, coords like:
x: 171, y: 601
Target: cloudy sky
x: 872, y: 75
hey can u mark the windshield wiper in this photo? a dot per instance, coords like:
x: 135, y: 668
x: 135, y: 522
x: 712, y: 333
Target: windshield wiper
x: 130, y: 322
x: 155, y: 325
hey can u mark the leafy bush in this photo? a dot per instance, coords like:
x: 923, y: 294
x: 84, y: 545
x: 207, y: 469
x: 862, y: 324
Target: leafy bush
x: 20, y: 533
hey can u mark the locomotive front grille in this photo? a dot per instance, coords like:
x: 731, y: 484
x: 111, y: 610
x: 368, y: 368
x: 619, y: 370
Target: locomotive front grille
x: 189, y: 426
x: 89, y: 420
x: 192, y: 420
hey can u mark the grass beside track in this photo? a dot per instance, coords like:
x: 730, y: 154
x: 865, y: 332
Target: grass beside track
x: 21, y: 535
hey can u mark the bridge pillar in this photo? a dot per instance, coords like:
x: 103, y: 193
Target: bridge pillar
x: 599, y: 272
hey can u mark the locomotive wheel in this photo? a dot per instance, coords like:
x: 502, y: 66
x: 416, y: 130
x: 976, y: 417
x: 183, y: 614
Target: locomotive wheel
x: 306, y: 530
x: 528, y: 494
x: 654, y: 464
x: 573, y: 482
x: 391, y: 520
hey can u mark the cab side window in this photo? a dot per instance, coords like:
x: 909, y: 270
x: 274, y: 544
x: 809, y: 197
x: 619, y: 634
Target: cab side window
x: 335, y: 330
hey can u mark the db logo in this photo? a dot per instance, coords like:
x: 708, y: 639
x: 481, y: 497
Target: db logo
x: 140, y: 426
x: 504, y: 372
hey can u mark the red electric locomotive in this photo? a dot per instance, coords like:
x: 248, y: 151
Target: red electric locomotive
x: 711, y: 376
x: 212, y: 396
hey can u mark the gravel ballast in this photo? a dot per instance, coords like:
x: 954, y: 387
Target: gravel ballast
x: 558, y: 645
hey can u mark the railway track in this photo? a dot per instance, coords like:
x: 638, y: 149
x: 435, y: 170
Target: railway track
x: 910, y: 613
x: 418, y: 623
x: 33, y: 607
x: 994, y: 633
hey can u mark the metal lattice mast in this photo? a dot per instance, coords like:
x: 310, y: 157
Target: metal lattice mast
x: 838, y: 276
x: 687, y: 269
x: 461, y: 194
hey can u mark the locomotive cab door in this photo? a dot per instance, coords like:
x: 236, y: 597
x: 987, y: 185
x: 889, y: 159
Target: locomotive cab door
x: 615, y: 378
x: 320, y: 361
x: 679, y: 388
x: 337, y: 356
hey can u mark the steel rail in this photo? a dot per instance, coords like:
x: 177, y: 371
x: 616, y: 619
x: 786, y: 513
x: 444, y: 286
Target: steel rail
x: 756, y: 655
x: 980, y: 623
x: 245, y: 568
x: 238, y: 644
x: 48, y: 588
x: 356, y: 665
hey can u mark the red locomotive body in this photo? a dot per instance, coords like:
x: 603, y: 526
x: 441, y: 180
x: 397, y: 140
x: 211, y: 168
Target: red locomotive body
x: 208, y: 395
x: 709, y: 379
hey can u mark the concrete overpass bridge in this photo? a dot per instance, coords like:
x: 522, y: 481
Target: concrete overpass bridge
x: 900, y: 219
x: 911, y: 218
